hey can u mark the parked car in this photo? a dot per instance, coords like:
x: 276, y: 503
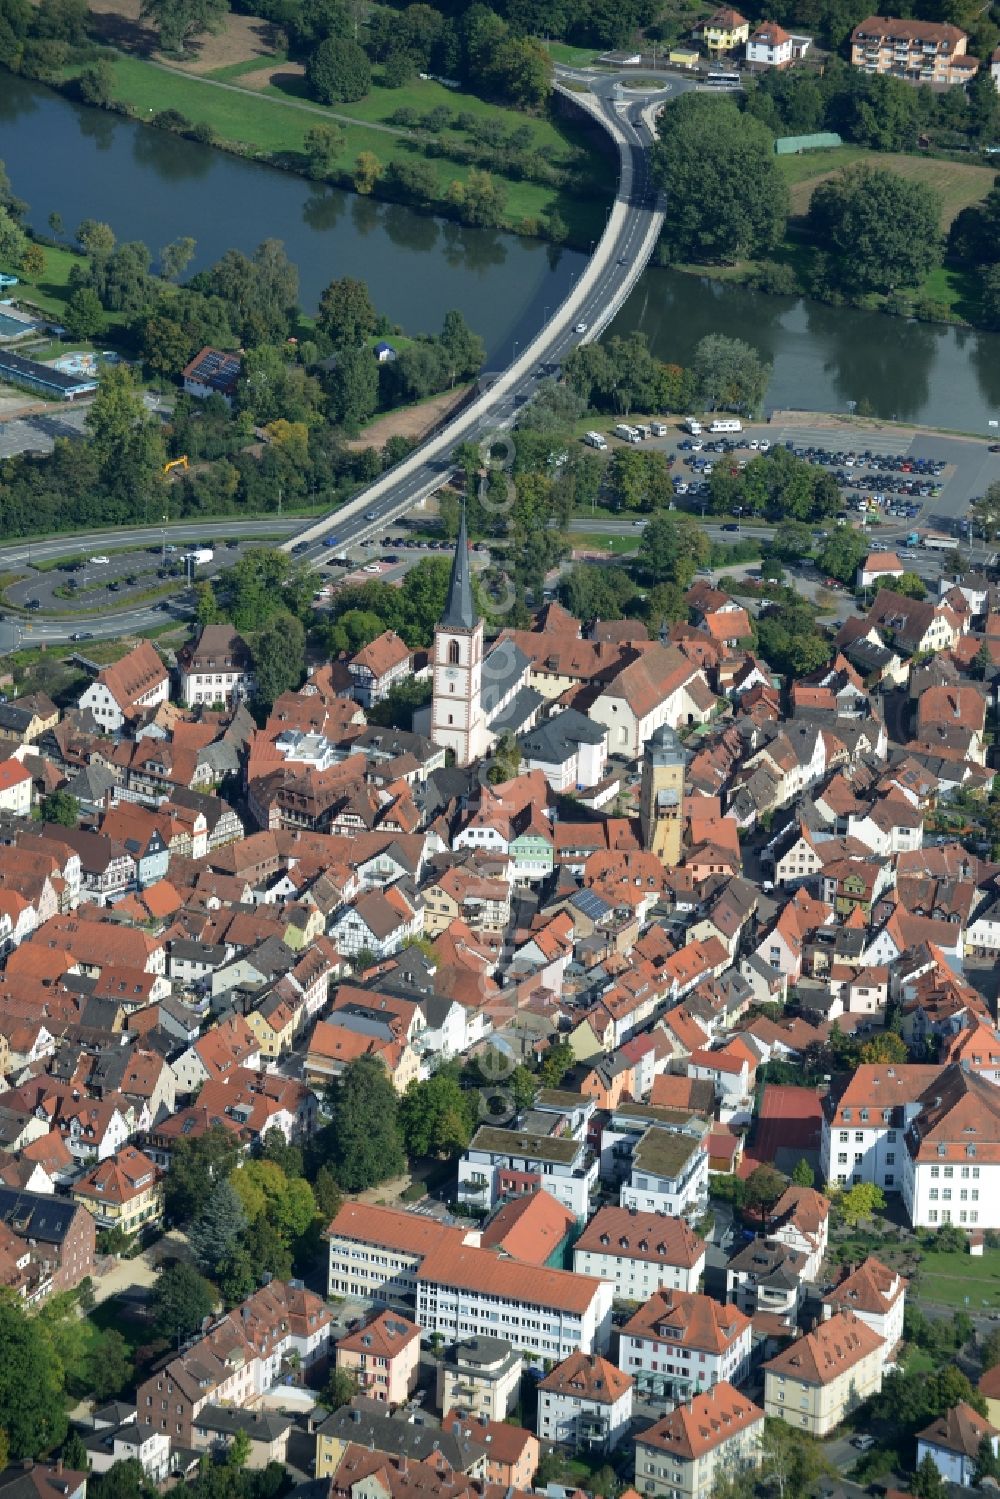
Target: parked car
x: 81, y: 635
x: 101, y: 561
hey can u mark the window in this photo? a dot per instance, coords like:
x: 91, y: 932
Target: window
x: 453, y: 656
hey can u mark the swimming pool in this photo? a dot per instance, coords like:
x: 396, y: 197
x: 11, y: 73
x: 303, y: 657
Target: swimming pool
x: 14, y: 327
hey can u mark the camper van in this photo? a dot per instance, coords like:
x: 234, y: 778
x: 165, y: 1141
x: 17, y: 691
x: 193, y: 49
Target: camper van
x: 694, y: 427
x: 726, y: 424
x: 595, y: 440
x: 627, y: 433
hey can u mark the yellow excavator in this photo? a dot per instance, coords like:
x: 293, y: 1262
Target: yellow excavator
x: 178, y: 463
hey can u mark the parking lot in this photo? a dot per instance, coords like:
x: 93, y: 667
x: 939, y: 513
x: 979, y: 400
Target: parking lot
x: 84, y: 586
x: 37, y: 432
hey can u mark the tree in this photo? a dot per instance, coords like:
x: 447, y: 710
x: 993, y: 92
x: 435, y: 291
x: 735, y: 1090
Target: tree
x: 323, y: 145
x: 353, y: 386
x: 279, y: 655
x: 62, y: 808
x: 927, y: 1481
x: 328, y: 1195
x: 32, y: 261
x: 73, y: 1454
x: 792, y: 540
x: 13, y: 240
x: 984, y: 512
x: 842, y: 552
x: 346, y: 313
x: 340, y: 1389
x: 109, y: 1369
x: 338, y: 71
x: 437, y: 1117
x: 803, y: 1174
x: 480, y: 200
x: 764, y: 1186
x: 217, y: 1227
x: 62, y: 21
x: 367, y: 171
x: 556, y: 1062
x: 178, y: 21
x: 887, y: 1047
x: 32, y: 1411
x: 362, y: 1141
x: 672, y: 548
x: 95, y: 238
x: 182, y: 1299
x: 910, y: 585
x: 176, y: 257
x: 860, y: 1202
x: 728, y: 198
x: 878, y: 230
x: 731, y: 375
x: 97, y: 83
x: 126, y: 441
x: 197, y: 1166
x: 84, y: 315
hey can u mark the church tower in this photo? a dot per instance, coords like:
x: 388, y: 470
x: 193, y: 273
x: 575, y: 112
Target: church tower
x: 457, y: 720
x: 661, y: 796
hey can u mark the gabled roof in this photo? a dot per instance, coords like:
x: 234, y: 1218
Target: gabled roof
x: 710, y: 1418
x: 827, y: 1352
x: 959, y: 1430
x: 587, y: 1376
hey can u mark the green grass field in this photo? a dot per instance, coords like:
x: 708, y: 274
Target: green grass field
x: 951, y: 1278
x: 957, y: 183
x: 269, y: 123
x: 570, y: 57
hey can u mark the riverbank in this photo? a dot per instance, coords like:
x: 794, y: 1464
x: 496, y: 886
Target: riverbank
x: 553, y: 186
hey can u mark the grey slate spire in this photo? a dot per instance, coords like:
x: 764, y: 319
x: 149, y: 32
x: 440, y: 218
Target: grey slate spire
x: 459, y: 612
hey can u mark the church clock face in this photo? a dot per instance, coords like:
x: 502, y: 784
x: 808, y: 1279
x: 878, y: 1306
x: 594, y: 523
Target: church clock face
x: 451, y: 674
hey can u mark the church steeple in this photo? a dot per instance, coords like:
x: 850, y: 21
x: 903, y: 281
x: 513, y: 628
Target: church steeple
x: 459, y: 611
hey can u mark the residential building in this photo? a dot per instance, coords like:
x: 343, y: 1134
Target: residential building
x: 480, y: 1375
x: 36, y: 1480
x: 569, y: 749
x: 668, y: 1174
x: 916, y: 51
x: 953, y: 1443
x: 876, y: 1295
x: 771, y: 46
x: 382, y: 1357
x: 218, y: 1426
x: 128, y: 1440
x: 120, y: 691
x: 819, y: 1379
x: 377, y: 667
x: 585, y: 1402
x: 952, y: 1153
x: 800, y: 1219
x: 212, y: 372
x: 355, y: 1435
x: 547, y: 1314
x: 512, y: 1452
x: 15, y: 788
x: 767, y: 1276
x: 681, y: 1342
x: 215, y: 668
x: 725, y: 30
x: 640, y: 1253
x: 715, y: 1433
x: 375, y: 1252
x: 865, y: 1122
x: 500, y: 1163
x: 124, y: 1192
x: 58, y: 1235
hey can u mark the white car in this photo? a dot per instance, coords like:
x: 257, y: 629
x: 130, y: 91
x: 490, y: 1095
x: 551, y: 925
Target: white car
x: 580, y: 328
x: 100, y: 561
x: 371, y: 567
x: 754, y: 445
x: 696, y: 445
x: 763, y: 445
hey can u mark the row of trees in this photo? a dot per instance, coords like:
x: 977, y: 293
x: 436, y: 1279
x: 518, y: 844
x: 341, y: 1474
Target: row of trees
x: 622, y: 375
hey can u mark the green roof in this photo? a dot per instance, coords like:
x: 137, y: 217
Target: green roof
x: 788, y: 145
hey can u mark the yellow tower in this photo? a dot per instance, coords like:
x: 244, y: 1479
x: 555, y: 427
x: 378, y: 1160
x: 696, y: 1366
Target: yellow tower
x: 661, y: 800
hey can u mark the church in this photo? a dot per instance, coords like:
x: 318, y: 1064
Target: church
x: 478, y: 695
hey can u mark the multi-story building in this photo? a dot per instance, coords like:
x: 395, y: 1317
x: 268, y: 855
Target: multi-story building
x: 58, y: 1239
x: 507, y: 1163
x: 818, y: 1380
x: 124, y: 1192
x: 954, y: 1443
x: 382, y: 1357
x: 767, y: 1276
x: 680, y: 1342
x: 640, y: 1253
x: 377, y: 667
x: 375, y: 1252
x: 718, y: 1431
x: 215, y: 668
x: 480, y: 1375
x: 916, y: 51
x: 771, y: 46
x: 669, y: 1174
x: 547, y: 1314
x: 876, y: 1295
x: 585, y: 1402
x: 952, y: 1153
x: 120, y: 692
x: 725, y: 30
x: 865, y: 1124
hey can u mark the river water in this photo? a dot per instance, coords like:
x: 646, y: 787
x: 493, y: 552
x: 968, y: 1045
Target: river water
x: 155, y: 187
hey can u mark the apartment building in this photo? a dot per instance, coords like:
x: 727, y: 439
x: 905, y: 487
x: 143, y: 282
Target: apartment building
x: 125, y: 1191
x: 875, y: 1295
x: 679, y: 1342
x: 507, y: 1163
x: 382, y: 1357
x: 215, y: 668
x: 916, y: 51
x: 375, y: 1253
x: 952, y: 1154
x: 640, y: 1253
x: 669, y: 1175
x: 121, y: 690
x: 585, y: 1402
x: 480, y: 1375
x: 865, y: 1124
x: 717, y: 1432
x: 547, y: 1314
x: 818, y: 1380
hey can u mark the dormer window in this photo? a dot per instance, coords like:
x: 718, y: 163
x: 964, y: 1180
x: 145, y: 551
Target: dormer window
x: 970, y: 1150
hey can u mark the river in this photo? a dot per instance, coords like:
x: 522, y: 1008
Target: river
x: 156, y: 187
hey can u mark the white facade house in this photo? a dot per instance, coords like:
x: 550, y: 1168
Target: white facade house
x: 121, y: 690
x: 569, y: 749
x: 216, y: 668
x: 952, y: 1155
x: 717, y: 1432
x: 669, y: 1174
x: 864, y: 1128
x: 15, y: 788
x: 876, y: 1295
x: 771, y: 46
x: 132, y: 1440
x: 952, y: 1443
x: 375, y: 1252
x: 585, y: 1402
x: 501, y: 1162
x: 678, y: 1343
x: 640, y: 1253
x: 466, y: 1292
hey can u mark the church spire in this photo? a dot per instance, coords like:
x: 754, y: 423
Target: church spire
x: 459, y: 612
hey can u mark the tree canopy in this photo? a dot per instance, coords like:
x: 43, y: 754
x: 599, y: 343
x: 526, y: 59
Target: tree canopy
x: 878, y: 230
x: 362, y: 1142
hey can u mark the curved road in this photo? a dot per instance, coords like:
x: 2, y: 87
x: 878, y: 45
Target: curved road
x: 619, y: 259
x: 622, y: 252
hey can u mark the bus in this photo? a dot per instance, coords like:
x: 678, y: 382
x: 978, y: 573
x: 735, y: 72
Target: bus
x: 723, y: 78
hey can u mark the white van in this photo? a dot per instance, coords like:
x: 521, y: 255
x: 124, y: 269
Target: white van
x: 726, y: 424
x: 627, y: 433
x: 694, y: 427
x: 595, y: 440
